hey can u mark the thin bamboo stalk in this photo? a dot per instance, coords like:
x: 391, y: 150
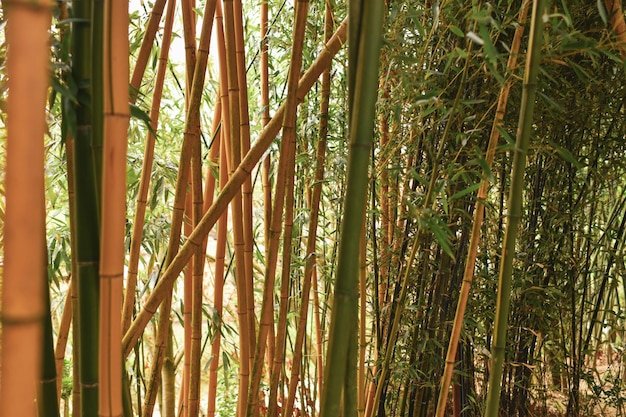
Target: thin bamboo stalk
x: 146, y: 170
x: 344, y: 310
x: 146, y: 45
x: 479, y: 212
x: 329, y: 24
x: 62, y: 338
x: 228, y: 192
x: 362, y: 323
x: 23, y: 303
x: 283, y: 201
x: 514, y: 212
x: 244, y: 130
x: 47, y: 400
x: 236, y: 205
x: 162, y: 340
x: 218, y: 290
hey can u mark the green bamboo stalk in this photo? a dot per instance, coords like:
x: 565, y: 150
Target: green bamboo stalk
x: 514, y: 214
x: 48, y: 401
x: 86, y: 189
x: 345, y: 308
x: 479, y: 212
x: 97, y: 89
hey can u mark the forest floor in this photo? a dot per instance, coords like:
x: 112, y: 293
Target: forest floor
x: 601, y: 392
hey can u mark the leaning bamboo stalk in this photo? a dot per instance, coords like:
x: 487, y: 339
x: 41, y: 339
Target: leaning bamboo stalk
x: 283, y: 201
x: 310, y: 261
x: 146, y: 170
x: 228, y: 192
x: 236, y: 205
x: 218, y: 291
x: 244, y: 130
x: 24, y: 222
x: 146, y: 45
x: 113, y: 233
x: 198, y: 261
x: 62, y: 338
x: 344, y: 309
x: 514, y: 212
x: 479, y: 211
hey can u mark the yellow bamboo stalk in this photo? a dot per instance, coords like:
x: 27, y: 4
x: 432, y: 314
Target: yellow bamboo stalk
x: 112, y: 248
x: 146, y: 170
x: 244, y: 130
x: 236, y: 205
x: 218, y: 289
x: 23, y: 302
x: 618, y: 26
x: 62, y: 337
x: 146, y: 44
x: 468, y: 273
x: 228, y: 192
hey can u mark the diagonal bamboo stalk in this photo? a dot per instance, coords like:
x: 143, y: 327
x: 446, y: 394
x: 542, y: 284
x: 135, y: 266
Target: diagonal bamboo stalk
x: 218, y: 297
x: 146, y: 45
x: 479, y: 212
x: 228, y: 192
x: 514, y: 214
x: 146, y: 170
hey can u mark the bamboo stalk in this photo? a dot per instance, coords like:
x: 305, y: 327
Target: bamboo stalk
x: 48, y: 401
x: 344, y: 309
x: 23, y: 302
x: 62, y: 338
x: 228, y: 192
x: 218, y: 290
x: 283, y: 201
x: 479, y: 212
x: 244, y: 130
x: 112, y: 248
x: 236, y: 205
x: 146, y: 45
x: 514, y: 212
x: 146, y: 170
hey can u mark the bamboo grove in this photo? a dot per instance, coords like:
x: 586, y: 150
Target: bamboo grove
x: 371, y: 208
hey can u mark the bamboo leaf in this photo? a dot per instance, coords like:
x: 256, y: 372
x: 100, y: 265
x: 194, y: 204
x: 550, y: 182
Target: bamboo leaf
x: 602, y: 11
x: 466, y: 191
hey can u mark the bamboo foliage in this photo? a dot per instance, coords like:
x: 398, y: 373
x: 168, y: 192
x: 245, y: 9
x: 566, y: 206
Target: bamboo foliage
x: 23, y: 301
x: 357, y: 322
